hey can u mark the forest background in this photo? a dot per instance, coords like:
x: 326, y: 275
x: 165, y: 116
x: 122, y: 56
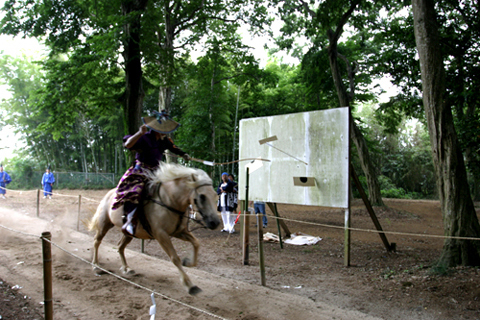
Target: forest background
x: 109, y: 63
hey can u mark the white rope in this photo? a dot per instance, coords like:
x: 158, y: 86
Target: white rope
x: 342, y: 227
x: 374, y: 231
x: 117, y: 276
x: 20, y: 191
x: 52, y: 193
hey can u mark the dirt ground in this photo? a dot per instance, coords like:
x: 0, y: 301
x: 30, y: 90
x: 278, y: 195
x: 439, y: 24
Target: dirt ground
x: 301, y: 281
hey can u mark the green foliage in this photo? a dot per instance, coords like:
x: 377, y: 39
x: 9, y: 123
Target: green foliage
x: 60, y: 131
x: 440, y: 269
x: 403, y: 157
x: 24, y: 173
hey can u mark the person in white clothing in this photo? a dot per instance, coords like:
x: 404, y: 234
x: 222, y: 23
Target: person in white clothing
x: 226, y: 202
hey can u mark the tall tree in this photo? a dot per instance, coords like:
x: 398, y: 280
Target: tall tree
x: 324, y: 25
x: 134, y: 93
x: 459, y: 216
x: 398, y: 59
x: 182, y: 25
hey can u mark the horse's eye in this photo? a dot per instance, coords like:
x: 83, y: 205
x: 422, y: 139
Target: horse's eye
x: 203, y: 198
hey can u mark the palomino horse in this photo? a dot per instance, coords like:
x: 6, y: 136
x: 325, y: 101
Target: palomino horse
x: 172, y: 188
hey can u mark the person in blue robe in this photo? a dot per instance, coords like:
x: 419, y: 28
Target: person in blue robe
x: 4, y: 180
x: 48, y: 180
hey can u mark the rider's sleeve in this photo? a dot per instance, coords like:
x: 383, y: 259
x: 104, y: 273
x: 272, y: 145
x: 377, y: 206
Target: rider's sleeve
x: 172, y: 147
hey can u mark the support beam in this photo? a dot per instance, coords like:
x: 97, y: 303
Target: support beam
x: 389, y: 247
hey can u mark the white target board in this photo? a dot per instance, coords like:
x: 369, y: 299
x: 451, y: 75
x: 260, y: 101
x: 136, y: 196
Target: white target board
x: 309, y: 158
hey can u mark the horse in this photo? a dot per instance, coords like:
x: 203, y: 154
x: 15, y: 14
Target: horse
x: 172, y: 188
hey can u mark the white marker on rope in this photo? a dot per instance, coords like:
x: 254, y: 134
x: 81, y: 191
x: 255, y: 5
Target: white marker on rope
x: 153, y: 309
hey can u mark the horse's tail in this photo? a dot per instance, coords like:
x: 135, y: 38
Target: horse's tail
x: 101, y: 210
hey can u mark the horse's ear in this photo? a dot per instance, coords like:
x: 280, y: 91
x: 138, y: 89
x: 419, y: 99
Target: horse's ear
x: 193, y: 178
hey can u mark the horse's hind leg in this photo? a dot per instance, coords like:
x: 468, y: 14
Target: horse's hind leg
x: 166, y: 243
x: 192, y: 260
x: 121, y: 250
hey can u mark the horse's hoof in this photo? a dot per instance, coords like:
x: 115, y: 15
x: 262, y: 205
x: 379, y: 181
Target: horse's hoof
x: 186, y: 262
x: 98, y: 271
x: 127, y: 271
x: 194, y: 290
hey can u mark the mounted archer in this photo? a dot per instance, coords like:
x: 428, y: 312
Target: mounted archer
x: 149, y: 147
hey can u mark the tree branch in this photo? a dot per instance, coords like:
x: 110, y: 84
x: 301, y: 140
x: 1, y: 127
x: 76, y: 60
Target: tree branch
x: 351, y: 75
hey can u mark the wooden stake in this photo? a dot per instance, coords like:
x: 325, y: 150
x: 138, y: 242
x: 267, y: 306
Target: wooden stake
x: 79, y: 207
x: 38, y: 202
x: 261, y: 260
x: 246, y: 223
x: 47, y: 274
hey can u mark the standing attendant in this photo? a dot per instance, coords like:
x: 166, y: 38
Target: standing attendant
x: 4, y: 180
x: 226, y: 202
x: 259, y: 207
x: 149, y: 147
x: 48, y: 180
x: 235, y: 191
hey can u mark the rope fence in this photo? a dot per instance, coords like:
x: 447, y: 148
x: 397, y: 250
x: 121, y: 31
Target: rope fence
x: 425, y: 235
x: 115, y: 275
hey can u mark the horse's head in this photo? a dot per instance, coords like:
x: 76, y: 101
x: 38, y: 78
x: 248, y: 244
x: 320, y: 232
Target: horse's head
x: 192, y: 183
x: 204, y: 199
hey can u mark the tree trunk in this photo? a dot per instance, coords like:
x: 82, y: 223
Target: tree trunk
x: 374, y: 194
x: 134, y: 93
x: 167, y: 59
x: 459, y: 216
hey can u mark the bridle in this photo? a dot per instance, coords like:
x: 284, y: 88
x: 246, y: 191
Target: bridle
x: 180, y: 213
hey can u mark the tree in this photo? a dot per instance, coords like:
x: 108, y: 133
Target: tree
x: 459, y: 216
x: 81, y: 135
x: 209, y: 100
x: 459, y: 32
x: 324, y: 26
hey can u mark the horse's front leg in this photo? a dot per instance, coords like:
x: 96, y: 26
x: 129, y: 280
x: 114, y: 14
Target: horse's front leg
x: 121, y: 250
x: 99, y: 235
x: 166, y: 243
x: 192, y: 260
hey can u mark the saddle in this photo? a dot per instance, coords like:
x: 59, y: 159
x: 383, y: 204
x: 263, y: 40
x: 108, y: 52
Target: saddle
x: 140, y: 214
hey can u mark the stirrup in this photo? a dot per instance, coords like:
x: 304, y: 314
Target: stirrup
x: 129, y: 227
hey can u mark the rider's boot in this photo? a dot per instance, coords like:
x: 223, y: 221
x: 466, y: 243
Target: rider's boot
x: 130, y: 210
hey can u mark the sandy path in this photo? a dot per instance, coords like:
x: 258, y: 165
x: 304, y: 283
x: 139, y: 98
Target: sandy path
x: 79, y: 294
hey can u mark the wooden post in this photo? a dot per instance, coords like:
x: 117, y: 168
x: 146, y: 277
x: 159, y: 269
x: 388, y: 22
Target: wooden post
x: 346, y: 255
x: 143, y: 245
x: 246, y: 223
x: 38, y: 202
x: 261, y: 260
x: 79, y: 207
x: 47, y: 274
x: 347, y: 240
x: 240, y: 220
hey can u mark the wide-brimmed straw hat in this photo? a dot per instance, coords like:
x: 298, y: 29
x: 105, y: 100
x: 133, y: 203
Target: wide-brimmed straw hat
x: 161, y: 122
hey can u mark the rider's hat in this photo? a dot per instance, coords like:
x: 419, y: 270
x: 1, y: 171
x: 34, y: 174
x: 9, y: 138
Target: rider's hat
x: 161, y: 122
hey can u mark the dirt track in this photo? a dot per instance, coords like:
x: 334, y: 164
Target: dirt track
x: 79, y: 294
x: 308, y: 282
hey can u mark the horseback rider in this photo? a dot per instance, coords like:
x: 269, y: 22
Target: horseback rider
x: 149, y: 147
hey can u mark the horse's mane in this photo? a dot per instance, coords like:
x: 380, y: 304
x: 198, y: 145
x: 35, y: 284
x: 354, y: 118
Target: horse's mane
x: 172, y: 171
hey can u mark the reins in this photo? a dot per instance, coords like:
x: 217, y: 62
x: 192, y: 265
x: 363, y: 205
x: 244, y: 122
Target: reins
x: 180, y: 213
